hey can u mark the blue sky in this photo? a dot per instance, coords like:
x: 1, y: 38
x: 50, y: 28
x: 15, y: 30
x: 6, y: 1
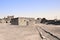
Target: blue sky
x: 30, y: 8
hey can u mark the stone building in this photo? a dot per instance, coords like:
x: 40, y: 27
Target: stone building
x: 2, y: 21
x: 8, y: 19
x: 22, y: 21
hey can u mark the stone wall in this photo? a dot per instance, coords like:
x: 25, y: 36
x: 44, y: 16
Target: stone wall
x: 22, y: 21
x: 14, y: 21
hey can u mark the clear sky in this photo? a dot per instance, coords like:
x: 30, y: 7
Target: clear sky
x: 30, y: 8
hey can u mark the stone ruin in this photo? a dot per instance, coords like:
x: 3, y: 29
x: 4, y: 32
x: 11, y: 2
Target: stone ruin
x: 23, y: 21
x: 6, y: 19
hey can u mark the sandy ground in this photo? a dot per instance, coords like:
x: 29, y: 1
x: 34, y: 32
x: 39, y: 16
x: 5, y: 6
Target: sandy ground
x: 54, y: 29
x: 14, y: 32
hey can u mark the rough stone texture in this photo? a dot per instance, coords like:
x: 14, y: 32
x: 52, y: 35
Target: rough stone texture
x: 23, y: 21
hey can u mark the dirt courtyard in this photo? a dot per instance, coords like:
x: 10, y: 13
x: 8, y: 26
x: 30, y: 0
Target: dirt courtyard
x: 54, y: 29
x: 14, y: 32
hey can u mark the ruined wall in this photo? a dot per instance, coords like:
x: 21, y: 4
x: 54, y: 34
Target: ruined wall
x: 14, y: 21
x: 22, y: 22
x: 31, y: 21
